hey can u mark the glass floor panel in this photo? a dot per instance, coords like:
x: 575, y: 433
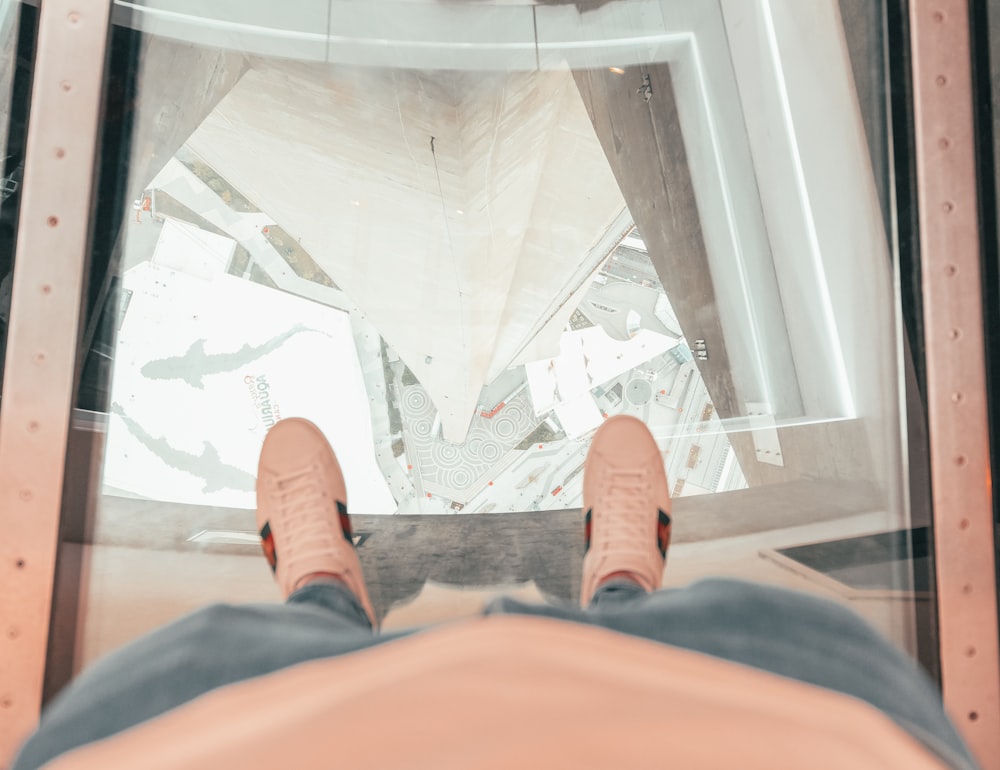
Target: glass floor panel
x: 458, y: 237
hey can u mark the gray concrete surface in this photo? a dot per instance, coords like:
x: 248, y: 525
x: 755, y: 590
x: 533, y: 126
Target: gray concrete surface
x: 401, y: 553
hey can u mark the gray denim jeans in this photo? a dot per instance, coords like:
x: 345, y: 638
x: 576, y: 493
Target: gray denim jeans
x: 785, y: 632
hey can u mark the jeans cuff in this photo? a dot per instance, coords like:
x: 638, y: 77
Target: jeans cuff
x: 332, y: 596
x: 616, y: 593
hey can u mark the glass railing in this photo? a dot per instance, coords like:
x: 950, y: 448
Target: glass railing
x: 18, y: 25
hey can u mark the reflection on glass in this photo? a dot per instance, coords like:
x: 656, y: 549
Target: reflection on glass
x: 17, y: 33
x: 457, y: 237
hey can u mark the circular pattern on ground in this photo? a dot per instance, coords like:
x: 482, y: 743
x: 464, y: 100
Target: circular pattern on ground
x: 416, y: 399
x: 458, y: 479
x: 522, y: 417
x: 490, y: 451
x: 422, y: 428
x: 504, y: 427
x: 513, y: 412
x: 639, y: 392
x: 446, y: 455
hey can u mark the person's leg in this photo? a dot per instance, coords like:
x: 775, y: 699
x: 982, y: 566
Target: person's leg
x: 213, y: 647
x: 306, y: 534
x: 615, y: 594
x: 788, y: 633
x: 627, y: 506
x: 626, y: 503
x: 302, y: 511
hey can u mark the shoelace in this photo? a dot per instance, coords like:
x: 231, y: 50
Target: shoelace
x: 626, y: 496
x: 301, y: 506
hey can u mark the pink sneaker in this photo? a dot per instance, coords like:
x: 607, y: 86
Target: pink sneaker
x: 302, y: 510
x: 627, y: 504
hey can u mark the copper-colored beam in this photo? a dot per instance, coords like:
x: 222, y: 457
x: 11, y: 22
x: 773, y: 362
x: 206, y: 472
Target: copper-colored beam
x: 956, y: 375
x: 41, y: 346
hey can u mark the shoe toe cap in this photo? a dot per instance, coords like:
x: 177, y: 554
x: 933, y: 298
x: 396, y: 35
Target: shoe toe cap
x: 626, y: 442
x: 290, y: 444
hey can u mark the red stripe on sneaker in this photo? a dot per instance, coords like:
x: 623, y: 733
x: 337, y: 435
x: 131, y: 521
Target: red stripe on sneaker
x: 267, y: 543
x: 663, y: 533
x: 345, y: 522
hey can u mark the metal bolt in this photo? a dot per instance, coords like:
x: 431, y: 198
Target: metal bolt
x: 60, y: 152
x: 33, y: 426
x: 74, y: 17
x: 941, y: 80
x: 950, y: 270
x: 957, y: 397
x: 937, y: 16
x: 960, y: 460
x: 25, y: 495
x: 52, y: 221
x: 13, y: 632
x: 963, y: 524
x: 954, y: 334
x: 944, y: 142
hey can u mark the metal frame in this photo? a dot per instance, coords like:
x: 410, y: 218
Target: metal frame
x: 956, y: 381
x: 51, y: 255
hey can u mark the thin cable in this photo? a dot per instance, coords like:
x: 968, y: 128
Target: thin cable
x: 534, y: 22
